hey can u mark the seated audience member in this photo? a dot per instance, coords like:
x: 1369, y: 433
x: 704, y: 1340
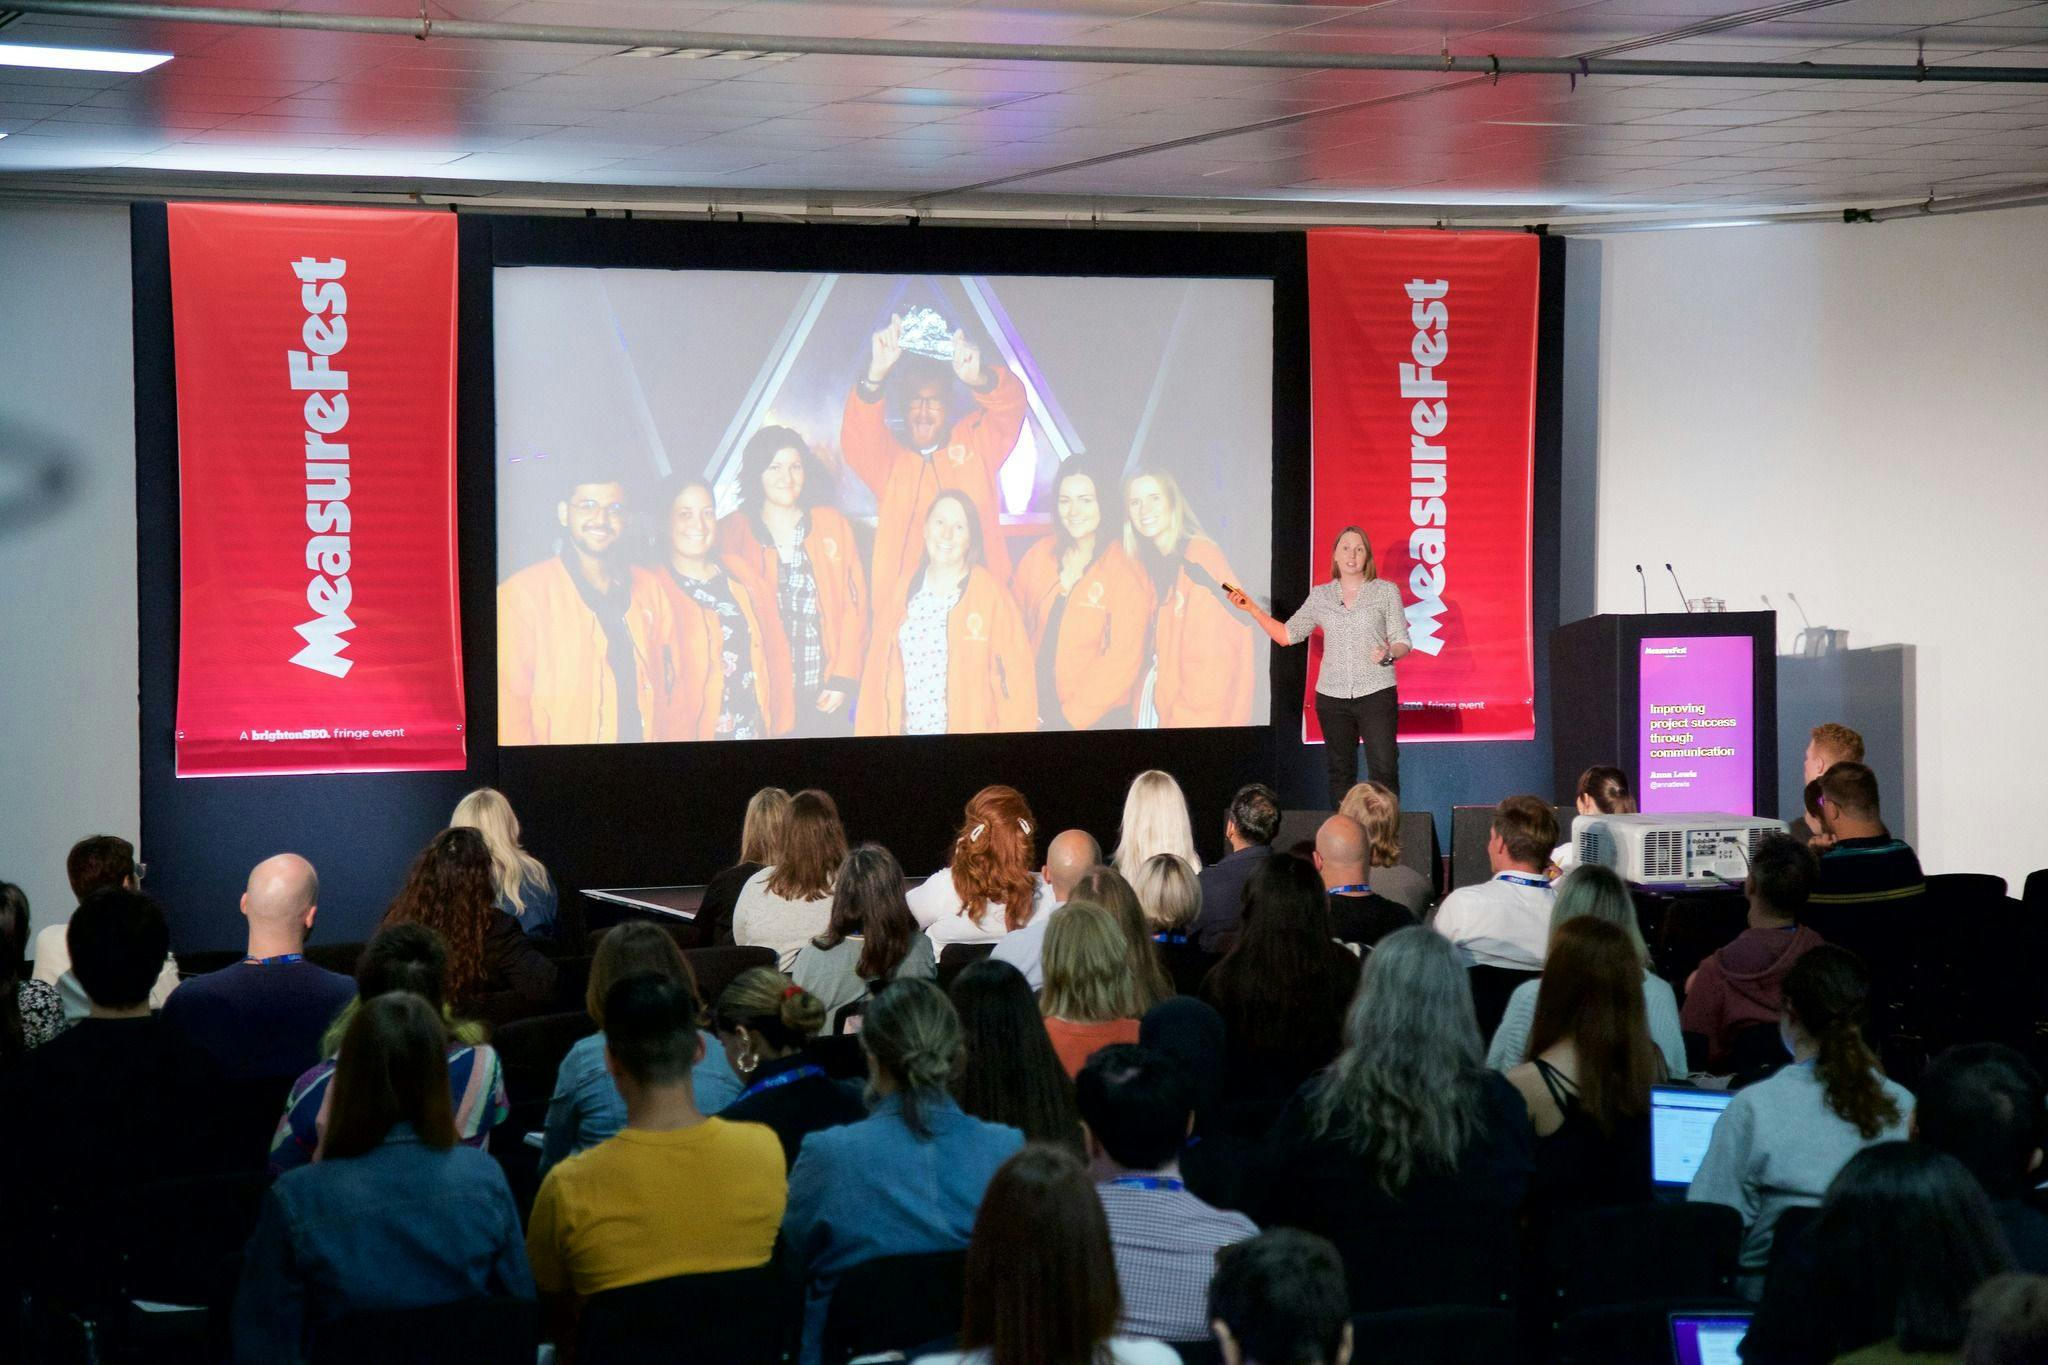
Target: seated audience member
x: 1170, y: 897
x: 1279, y: 1038
x: 674, y: 1192
x: 1103, y: 885
x: 1829, y: 743
x: 405, y: 957
x: 1408, y: 1127
x: 1358, y: 913
x: 1810, y: 830
x: 1139, y: 1109
x: 121, y: 1097
x: 525, y: 891
x: 1011, y: 1076
x: 1741, y: 986
x: 988, y: 890
x: 30, y: 1012
x: 906, y: 1179
x: 1505, y: 922
x: 1782, y: 1141
x: 1377, y: 809
x: 1862, y: 864
x: 1602, y: 790
x: 1984, y: 1105
x: 1280, y: 1299
x: 1248, y: 829
x: 1068, y: 858
x: 871, y: 937
x: 494, y: 971
x: 586, y: 1107
x: 1591, y: 1065
x: 1088, y: 1001
x: 2008, y: 1322
x: 763, y: 1022
x: 761, y: 836
x: 1885, y: 1273
x: 1213, y: 1161
x: 264, y: 1017
x: 786, y: 906
x: 1597, y: 892
x: 102, y: 862
x: 1155, y: 820
x: 1041, y: 1281
x: 396, y: 1215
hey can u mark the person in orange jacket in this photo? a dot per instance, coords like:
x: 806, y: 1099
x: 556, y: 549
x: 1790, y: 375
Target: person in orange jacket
x: 940, y: 447
x: 807, y: 552
x: 587, y: 652
x: 1087, y: 606
x: 735, y: 660
x: 1201, y: 666
x: 951, y: 655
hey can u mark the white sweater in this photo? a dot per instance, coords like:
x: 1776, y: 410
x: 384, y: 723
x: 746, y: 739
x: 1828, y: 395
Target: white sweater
x: 940, y: 912
x: 761, y: 917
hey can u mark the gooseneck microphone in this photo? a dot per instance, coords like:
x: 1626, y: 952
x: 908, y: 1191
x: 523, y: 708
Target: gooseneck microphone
x: 1646, y: 589
x: 1801, y: 610
x: 1681, y: 588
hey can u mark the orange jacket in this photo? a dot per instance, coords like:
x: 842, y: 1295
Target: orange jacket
x: 842, y: 585
x: 1203, y: 647
x: 1101, y: 646
x: 990, y: 682
x: 555, y: 683
x: 905, y: 482
x: 700, y: 691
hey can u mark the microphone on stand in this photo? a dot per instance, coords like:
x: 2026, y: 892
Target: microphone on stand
x: 1802, y: 610
x: 1681, y: 588
x: 1646, y: 590
x: 1767, y: 601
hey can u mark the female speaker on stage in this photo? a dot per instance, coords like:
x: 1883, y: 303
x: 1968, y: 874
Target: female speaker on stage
x: 1364, y: 632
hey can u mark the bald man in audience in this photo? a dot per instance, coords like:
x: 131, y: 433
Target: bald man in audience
x: 1362, y: 918
x: 262, y: 1017
x: 1067, y: 859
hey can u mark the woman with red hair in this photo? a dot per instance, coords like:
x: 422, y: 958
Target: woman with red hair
x: 992, y: 885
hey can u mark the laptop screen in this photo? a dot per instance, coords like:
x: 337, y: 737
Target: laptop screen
x: 1707, y: 1339
x: 1681, y: 1121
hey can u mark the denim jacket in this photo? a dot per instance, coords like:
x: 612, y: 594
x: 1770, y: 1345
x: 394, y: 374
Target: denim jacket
x: 875, y: 1188
x: 403, y: 1226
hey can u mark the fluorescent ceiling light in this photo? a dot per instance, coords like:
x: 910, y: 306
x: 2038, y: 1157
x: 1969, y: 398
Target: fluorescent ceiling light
x: 79, y: 58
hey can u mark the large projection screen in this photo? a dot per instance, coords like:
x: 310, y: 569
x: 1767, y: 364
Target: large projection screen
x: 736, y: 504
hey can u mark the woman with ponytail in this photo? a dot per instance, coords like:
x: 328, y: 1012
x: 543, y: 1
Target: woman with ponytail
x: 1782, y: 1141
x: 764, y: 1020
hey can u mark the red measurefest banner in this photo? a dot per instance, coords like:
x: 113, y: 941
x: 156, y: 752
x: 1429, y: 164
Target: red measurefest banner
x: 1423, y: 380
x: 320, y: 629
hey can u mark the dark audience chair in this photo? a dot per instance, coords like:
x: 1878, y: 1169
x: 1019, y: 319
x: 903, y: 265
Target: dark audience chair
x: 335, y: 957
x: 956, y: 958
x: 1971, y: 885
x: 246, y: 1115
x: 1205, y: 1351
x: 1634, y: 1253
x: 1439, y: 1336
x: 1185, y: 965
x: 1755, y: 1053
x: 1491, y: 987
x: 211, y: 960
x: 572, y: 980
x: 846, y: 1019
x: 1630, y: 1333
x: 1433, y: 1262
x: 894, y: 1303
x: 484, y: 1331
x: 711, y: 1319
x: 531, y: 1051
x: 716, y: 967
x: 840, y: 1055
x: 2034, y: 894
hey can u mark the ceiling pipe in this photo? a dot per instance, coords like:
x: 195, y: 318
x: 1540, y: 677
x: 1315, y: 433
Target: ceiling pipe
x: 919, y: 49
x: 2016, y: 197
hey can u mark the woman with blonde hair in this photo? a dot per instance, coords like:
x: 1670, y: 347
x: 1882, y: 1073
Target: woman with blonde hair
x: 1089, y: 1000
x: 1198, y: 665
x: 1169, y: 895
x: 525, y: 891
x: 1155, y: 821
x: 761, y: 835
x: 991, y: 884
x: 1377, y: 806
x: 787, y: 905
x: 763, y: 1020
x: 1104, y: 886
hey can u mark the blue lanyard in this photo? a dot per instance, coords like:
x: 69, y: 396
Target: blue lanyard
x: 780, y: 1078
x: 1519, y: 879
x: 1149, y: 1182
x: 1359, y: 886
x: 268, y: 961
x: 1171, y: 940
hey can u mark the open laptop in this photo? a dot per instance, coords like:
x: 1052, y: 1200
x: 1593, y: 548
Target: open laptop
x: 1681, y: 1122
x: 1707, y: 1338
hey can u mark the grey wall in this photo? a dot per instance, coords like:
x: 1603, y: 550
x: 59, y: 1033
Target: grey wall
x: 68, y: 738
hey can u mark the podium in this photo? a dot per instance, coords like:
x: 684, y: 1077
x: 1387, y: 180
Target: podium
x: 1685, y: 703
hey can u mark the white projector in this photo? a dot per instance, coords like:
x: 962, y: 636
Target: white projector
x: 1681, y: 848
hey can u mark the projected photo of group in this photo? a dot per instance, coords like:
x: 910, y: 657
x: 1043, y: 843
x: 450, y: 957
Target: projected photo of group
x: 748, y: 505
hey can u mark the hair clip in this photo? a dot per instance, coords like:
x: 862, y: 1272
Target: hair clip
x: 1024, y: 825
x: 788, y: 991
x: 976, y: 832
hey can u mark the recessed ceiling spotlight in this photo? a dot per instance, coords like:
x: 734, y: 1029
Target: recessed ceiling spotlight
x: 644, y: 52
x: 691, y: 54
x: 79, y: 58
x: 776, y: 56
x: 733, y: 54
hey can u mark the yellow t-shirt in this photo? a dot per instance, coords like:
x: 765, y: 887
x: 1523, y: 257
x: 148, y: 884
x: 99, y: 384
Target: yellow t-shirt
x: 644, y: 1206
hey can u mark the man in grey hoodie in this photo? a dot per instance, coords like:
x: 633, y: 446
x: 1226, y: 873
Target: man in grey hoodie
x: 1740, y: 985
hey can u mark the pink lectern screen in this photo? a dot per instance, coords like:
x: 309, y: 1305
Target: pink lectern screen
x: 1696, y: 724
